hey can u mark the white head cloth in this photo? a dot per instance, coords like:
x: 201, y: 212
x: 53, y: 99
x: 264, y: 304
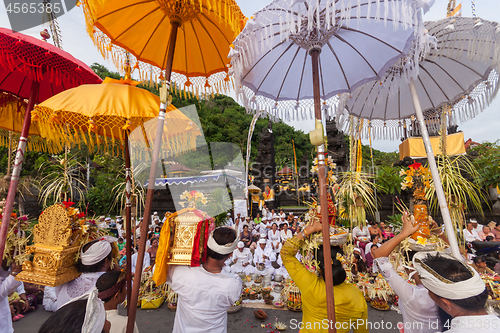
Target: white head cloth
x: 97, y: 251
x: 95, y: 314
x: 223, y: 249
x: 444, y: 287
x: 241, y: 245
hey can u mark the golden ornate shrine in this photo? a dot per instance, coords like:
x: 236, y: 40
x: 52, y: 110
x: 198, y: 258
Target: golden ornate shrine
x: 183, y: 225
x: 55, y: 250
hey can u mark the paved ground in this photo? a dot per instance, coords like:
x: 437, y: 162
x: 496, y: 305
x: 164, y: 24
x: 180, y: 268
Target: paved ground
x: 162, y: 320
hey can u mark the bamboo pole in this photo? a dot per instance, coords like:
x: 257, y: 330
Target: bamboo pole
x: 443, y: 205
x: 18, y: 162
x: 330, y: 302
x: 151, y: 187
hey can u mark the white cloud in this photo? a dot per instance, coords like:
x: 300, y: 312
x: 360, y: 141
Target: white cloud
x: 483, y: 128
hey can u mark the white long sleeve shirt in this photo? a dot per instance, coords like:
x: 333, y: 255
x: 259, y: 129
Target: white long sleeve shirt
x: 259, y: 254
x: 242, y: 257
x: 471, y: 236
x: 7, y: 284
x: 204, y: 298
x: 145, y: 262
x: 420, y: 312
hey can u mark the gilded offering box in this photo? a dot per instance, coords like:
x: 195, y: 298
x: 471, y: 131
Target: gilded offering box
x: 184, y: 225
x: 54, y: 252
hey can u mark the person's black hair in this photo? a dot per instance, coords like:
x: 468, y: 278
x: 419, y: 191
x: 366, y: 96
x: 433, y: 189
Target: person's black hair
x: 274, y: 224
x: 106, y: 281
x: 361, y: 264
x: 97, y: 267
x: 372, y: 237
x: 283, y: 224
x: 409, y: 255
x: 454, y: 270
x: 339, y: 274
x: 159, y: 229
x: 497, y: 224
x: 222, y: 236
x: 245, y: 225
x: 373, y: 246
x: 478, y: 259
x: 120, y: 238
x: 489, y: 238
x: 68, y: 319
x: 373, y: 223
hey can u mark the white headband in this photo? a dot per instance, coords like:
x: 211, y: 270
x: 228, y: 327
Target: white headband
x: 222, y: 249
x: 443, y: 287
x: 95, y: 314
x: 97, y: 251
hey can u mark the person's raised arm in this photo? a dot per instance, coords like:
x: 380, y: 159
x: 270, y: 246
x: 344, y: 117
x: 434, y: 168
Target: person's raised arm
x: 390, y: 245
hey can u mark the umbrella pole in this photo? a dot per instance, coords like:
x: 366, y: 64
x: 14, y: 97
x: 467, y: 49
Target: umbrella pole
x: 443, y: 205
x: 128, y: 220
x: 151, y: 187
x: 330, y: 302
x: 16, y: 170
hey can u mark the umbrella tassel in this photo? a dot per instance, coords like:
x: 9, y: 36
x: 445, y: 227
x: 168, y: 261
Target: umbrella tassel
x: 377, y: 11
x: 368, y: 11
x: 358, y: 13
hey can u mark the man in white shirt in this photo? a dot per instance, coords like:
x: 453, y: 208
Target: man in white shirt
x: 229, y: 220
x: 419, y: 311
x: 145, y: 262
x: 264, y: 255
x: 242, y: 259
x: 263, y: 228
x: 264, y: 211
x: 282, y: 215
x: 206, y: 292
x: 457, y: 289
x: 478, y: 227
x: 470, y: 234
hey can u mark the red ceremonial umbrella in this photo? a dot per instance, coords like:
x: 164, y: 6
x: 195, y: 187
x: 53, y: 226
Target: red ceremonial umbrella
x: 35, y: 70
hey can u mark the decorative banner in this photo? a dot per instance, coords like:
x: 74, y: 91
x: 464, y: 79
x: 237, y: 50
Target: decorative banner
x: 249, y: 146
x: 240, y: 206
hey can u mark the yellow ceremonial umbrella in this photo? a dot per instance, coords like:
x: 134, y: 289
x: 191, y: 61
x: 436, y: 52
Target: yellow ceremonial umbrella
x: 189, y: 37
x: 200, y: 31
x: 109, y: 111
x: 12, y: 110
x: 92, y: 113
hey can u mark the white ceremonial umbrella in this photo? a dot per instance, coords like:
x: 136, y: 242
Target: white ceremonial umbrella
x: 293, y: 54
x: 460, y: 71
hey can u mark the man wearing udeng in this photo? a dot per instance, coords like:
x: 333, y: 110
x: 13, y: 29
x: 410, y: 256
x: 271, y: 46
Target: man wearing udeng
x: 205, y: 292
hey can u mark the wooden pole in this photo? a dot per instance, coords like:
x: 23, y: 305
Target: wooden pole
x: 151, y: 187
x: 18, y: 162
x: 330, y: 302
x: 128, y: 219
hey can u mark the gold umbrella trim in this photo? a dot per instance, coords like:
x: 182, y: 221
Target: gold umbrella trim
x: 205, y: 84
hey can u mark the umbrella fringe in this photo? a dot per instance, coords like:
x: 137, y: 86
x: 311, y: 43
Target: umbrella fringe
x: 463, y: 110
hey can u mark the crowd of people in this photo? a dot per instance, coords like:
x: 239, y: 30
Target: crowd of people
x: 267, y: 245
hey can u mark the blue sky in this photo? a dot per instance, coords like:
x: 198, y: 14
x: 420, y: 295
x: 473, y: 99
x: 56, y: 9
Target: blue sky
x: 485, y: 127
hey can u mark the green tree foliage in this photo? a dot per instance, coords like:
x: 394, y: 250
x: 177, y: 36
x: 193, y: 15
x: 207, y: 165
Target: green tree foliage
x: 224, y: 120
x: 487, y: 163
x: 388, y: 180
x: 101, y: 196
x: 103, y: 72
